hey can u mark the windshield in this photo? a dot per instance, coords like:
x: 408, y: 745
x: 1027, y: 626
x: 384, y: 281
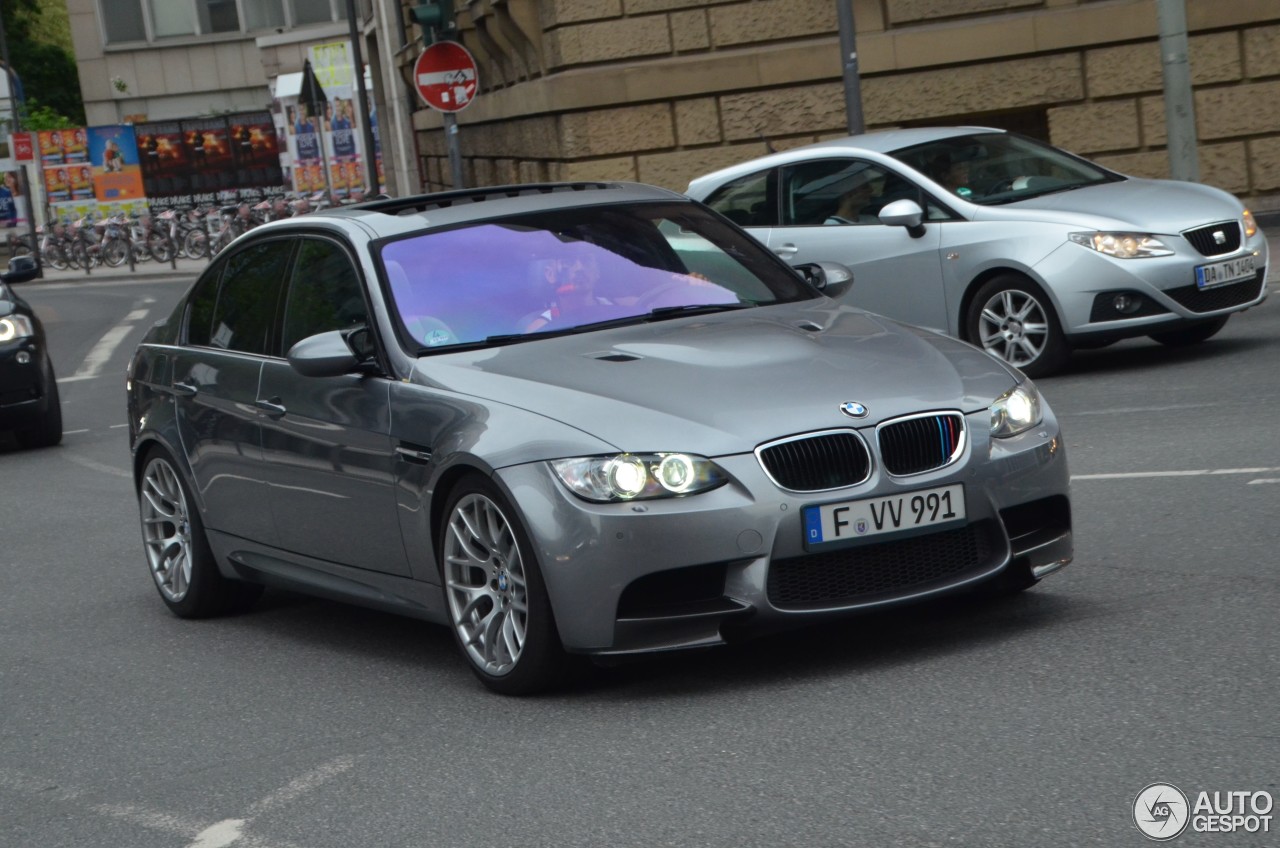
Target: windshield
x: 994, y: 168
x: 565, y: 271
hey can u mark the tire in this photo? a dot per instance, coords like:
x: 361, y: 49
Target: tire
x: 196, y: 244
x: 177, y: 551
x: 115, y: 253
x: 498, y: 607
x: 48, y: 432
x: 1011, y: 318
x: 1192, y: 334
x: 158, y: 245
x: 53, y: 257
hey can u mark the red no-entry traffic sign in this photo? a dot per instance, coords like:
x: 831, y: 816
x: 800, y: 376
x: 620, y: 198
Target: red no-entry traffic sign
x: 445, y: 76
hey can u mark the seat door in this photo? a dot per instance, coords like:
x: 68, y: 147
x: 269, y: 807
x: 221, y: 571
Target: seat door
x: 895, y: 273
x: 326, y: 440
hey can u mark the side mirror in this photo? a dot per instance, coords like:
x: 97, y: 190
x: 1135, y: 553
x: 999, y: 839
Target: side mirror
x: 830, y: 278
x: 21, y: 269
x: 904, y: 213
x: 323, y: 355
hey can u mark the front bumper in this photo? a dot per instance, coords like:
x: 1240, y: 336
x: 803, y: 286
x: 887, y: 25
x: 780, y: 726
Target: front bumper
x: 692, y: 572
x: 1163, y: 289
x: 22, y: 385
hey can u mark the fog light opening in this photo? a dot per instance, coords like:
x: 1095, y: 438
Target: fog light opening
x: 1127, y: 304
x: 22, y: 357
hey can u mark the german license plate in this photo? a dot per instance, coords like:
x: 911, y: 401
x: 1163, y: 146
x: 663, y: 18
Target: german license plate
x: 861, y: 519
x: 1221, y: 273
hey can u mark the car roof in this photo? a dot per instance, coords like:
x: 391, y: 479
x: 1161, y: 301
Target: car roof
x: 397, y: 216
x: 881, y: 142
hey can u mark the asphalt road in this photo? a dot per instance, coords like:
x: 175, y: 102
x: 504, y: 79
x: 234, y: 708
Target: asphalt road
x: 1027, y: 722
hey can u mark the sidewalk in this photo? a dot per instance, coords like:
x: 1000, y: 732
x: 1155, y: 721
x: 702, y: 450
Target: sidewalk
x: 186, y: 269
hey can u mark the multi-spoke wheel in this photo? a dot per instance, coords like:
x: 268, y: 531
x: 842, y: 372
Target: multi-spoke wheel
x: 497, y: 601
x: 1011, y: 318
x: 177, y: 551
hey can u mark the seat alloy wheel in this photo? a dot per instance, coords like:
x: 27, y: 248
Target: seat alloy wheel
x: 1012, y: 319
x: 178, y: 553
x: 498, y: 604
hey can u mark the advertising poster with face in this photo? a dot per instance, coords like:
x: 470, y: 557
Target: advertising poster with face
x: 113, y: 152
x: 165, y: 162
x: 81, y: 181
x: 75, y: 145
x: 212, y: 164
x: 13, y: 203
x: 57, y: 184
x: 50, y: 143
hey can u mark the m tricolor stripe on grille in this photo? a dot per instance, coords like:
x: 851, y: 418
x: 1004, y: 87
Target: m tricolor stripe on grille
x: 921, y: 443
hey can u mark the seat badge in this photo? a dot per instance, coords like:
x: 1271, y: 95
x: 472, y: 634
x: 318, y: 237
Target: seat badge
x: 1220, y: 237
x: 853, y: 409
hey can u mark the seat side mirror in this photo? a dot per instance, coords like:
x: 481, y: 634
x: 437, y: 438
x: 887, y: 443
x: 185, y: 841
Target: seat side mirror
x: 904, y: 213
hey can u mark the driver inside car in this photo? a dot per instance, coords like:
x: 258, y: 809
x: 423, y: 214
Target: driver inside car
x: 572, y: 279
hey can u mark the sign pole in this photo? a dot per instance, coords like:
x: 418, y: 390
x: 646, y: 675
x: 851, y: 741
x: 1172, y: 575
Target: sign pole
x: 455, y: 152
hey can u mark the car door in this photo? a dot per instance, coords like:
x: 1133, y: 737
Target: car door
x: 896, y: 272
x: 326, y: 440
x: 215, y: 383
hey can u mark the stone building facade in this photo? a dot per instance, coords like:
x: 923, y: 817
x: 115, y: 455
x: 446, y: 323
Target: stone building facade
x: 662, y: 90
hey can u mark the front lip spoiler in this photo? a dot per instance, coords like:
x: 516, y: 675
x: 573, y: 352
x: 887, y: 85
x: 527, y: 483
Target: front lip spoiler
x: 691, y: 626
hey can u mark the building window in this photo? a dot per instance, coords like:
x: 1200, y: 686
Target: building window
x: 125, y: 23
x: 218, y: 15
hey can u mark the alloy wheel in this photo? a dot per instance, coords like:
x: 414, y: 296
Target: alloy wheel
x: 166, y: 529
x: 1014, y: 327
x: 486, y: 585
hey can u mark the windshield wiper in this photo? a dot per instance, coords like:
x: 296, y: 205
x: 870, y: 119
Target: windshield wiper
x: 694, y: 309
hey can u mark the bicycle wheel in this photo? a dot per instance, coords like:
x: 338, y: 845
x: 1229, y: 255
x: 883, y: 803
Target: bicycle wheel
x: 53, y: 257
x: 196, y: 244
x: 158, y: 246
x: 114, y: 253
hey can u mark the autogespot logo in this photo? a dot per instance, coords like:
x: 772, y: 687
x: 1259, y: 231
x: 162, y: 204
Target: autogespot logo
x: 1160, y: 811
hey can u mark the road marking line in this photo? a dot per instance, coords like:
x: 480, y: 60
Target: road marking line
x: 1130, y: 410
x: 94, y: 465
x: 73, y: 432
x: 1264, y: 480
x: 298, y: 787
x: 136, y: 315
x: 76, y: 379
x: 101, y: 353
x: 1137, y: 475
x: 219, y: 835
x: 117, y: 426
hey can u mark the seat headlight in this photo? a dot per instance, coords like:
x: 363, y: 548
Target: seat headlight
x: 1250, y: 225
x: 1016, y: 411
x: 630, y: 477
x: 15, y: 327
x: 1123, y: 245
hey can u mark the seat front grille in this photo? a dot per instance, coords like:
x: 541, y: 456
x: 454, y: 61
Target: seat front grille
x: 1220, y: 297
x: 1215, y: 239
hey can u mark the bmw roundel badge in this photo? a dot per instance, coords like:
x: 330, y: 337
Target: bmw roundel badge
x: 853, y: 409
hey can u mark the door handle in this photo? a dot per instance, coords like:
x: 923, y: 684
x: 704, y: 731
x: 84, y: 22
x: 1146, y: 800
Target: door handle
x: 786, y: 251
x: 413, y: 453
x: 185, y: 389
x: 273, y: 408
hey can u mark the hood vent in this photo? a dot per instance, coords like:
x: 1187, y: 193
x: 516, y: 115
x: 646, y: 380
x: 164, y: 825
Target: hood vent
x: 614, y: 357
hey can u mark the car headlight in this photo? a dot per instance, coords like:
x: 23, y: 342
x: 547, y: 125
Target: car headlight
x: 630, y: 477
x: 15, y: 327
x: 1123, y: 245
x: 1016, y: 411
x: 1250, y: 225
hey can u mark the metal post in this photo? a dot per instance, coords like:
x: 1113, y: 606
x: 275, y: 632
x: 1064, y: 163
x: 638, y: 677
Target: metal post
x: 1179, y: 104
x: 849, y: 61
x: 370, y: 156
x: 24, y: 184
x: 455, y: 153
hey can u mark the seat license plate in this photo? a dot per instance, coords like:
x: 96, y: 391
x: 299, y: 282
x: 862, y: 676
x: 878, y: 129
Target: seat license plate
x: 1221, y: 273
x: 860, y: 519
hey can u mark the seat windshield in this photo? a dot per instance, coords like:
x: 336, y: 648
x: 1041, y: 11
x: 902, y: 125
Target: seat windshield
x: 997, y: 168
x: 575, y: 270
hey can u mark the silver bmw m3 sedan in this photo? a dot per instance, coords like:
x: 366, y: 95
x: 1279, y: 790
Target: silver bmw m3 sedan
x: 1005, y: 242
x: 573, y: 419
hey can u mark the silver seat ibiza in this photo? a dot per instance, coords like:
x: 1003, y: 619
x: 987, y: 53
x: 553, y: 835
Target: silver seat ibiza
x: 582, y: 419
x: 1013, y: 245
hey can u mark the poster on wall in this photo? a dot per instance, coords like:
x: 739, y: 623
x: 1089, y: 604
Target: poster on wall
x: 117, y: 176
x: 50, y: 144
x: 13, y: 203
x: 163, y: 156
x: 208, y: 145
x: 256, y: 151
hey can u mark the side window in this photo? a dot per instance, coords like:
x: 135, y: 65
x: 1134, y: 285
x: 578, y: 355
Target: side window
x: 324, y: 293
x: 204, y: 297
x: 838, y: 192
x: 748, y: 201
x: 251, y: 284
